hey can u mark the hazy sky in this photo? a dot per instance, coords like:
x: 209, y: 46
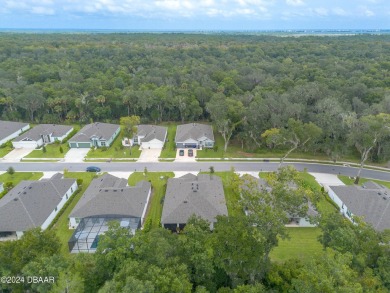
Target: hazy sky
x: 196, y: 14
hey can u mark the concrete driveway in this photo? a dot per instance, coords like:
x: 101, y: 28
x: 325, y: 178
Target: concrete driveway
x: 17, y: 154
x: 327, y: 180
x: 76, y: 155
x: 149, y: 155
x: 185, y: 158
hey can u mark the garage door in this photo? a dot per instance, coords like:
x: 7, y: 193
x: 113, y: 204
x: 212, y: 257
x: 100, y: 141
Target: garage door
x: 84, y: 145
x: 190, y: 145
x: 152, y: 145
x: 73, y: 145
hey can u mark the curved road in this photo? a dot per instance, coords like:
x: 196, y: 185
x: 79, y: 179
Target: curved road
x: 196, y: 166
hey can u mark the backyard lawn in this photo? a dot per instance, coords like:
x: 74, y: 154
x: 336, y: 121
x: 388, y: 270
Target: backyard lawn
x: 19, y: 176
x: 116, y: 150
x: 348, y: 181
x: 158, y: 192
x: 169, y: 150
x: 52, y: 151
x: 303, y: 244
x: 61, y: 226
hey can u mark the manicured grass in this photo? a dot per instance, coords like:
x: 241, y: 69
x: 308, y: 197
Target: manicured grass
x: 61, y: 227
x: 348, y: 181
x: 169, y: 150
x: 116, y: 150
x: 4, y: 151
x: 159, y: 186
x: 303, y: 244
x: 52, y: 151
x: 232, y: 197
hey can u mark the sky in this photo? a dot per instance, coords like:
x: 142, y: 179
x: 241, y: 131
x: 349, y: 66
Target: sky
x: 177, y: 15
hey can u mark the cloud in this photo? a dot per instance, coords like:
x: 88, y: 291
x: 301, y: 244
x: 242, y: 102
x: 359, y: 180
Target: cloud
x: 339, y: 11
x: 295, y: 2
x: 42, y: 10
x: 321, y: 11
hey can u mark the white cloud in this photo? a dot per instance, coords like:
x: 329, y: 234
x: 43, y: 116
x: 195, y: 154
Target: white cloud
x: 295, y: 2
x: 42, y: 10
x: 321, y: 11
x: 339, y: 11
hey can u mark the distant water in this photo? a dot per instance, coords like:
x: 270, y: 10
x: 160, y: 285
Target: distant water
x: 302, y: 32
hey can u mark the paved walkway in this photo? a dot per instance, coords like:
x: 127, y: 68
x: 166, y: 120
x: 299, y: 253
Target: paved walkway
x: 17, y: 154
x: 149, y: 155
x: 327, y: 180
x: 47, y: 175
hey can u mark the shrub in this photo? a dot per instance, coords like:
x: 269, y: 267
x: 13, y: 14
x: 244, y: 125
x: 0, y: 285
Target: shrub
x: 104, y: 149
x: 8, y: 185
x: 10, y: 170
x: 44, y: 149
x: 215, y: 148
x: 61, y: 150
x: 80, y: 181
x: 212, y: 170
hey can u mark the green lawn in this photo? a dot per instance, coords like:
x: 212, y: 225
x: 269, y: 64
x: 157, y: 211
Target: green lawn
x: 159, y: 186
x: 116, y: 150
x: 303, y: 244
x: 231, y: 197
x: 169, y: 150
x: 52, y: 151
x: 19, y: 176
x: 62, y: 224
x: 5, y: 150
x: 348, y: 181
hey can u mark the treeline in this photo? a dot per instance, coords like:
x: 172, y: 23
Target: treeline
x: 257, y: 82
x: 233, y: 258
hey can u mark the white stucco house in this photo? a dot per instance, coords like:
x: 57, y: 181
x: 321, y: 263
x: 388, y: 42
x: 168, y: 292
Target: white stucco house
x: 42, y: 134
x: 33, y: 204
x: 9, y: 130
x: 150, y: 136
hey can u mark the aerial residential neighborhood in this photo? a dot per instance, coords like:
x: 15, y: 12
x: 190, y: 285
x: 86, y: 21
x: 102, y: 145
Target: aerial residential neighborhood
x: 196, y: 162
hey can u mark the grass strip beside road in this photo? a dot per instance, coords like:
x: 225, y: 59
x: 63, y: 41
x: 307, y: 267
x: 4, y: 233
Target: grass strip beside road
x: 349, y: 181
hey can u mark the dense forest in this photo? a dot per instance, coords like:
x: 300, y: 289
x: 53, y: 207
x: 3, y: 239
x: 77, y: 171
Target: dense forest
x: 248, y: 86
x: 234, y: 258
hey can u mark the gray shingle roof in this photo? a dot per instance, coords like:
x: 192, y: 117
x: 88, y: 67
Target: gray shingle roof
x: 193, y: 131
x: 30, y: 203
x: 35, y: 133
x: 104, y: 131
x: 7, y: 128
x: 110, y: 196
x: 372, y: 201
x: 201, y: 195
x: 152, y: 132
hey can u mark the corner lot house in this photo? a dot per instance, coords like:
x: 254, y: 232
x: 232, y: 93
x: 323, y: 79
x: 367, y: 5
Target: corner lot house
x: 201, y: 195
x: 107, y: 198
x: 95, y: 135
x: 370, y: 201
x: 33, y: 204
x: 9, y: 130
x: 194, y: 135
x: 150, y: 136
x: 42, y: 134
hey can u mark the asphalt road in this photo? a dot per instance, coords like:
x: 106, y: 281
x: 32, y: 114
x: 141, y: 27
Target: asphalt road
x: 197, y: 166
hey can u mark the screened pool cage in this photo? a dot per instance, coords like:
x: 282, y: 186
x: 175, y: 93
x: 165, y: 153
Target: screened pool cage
x: 86, y: 236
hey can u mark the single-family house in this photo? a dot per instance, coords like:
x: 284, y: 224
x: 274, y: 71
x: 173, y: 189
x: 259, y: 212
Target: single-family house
x: 107, y: 198
x: 370, y: 201
x: 9, y: 130
x: 150, y: 136
x: 33, y: 204
x: 294, y: 220
x: 189, y: 195
x: 194, y: 135
x: 42, y: 134
x: 95, y: 135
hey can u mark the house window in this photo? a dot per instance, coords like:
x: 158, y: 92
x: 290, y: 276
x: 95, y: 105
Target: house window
x: 55, y: 209
x: 67, y: 197
x: 77, y: 220
x: 209, y: 143
x: 71, y: 189
x: 103, y: 143
x: 135, y: 139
